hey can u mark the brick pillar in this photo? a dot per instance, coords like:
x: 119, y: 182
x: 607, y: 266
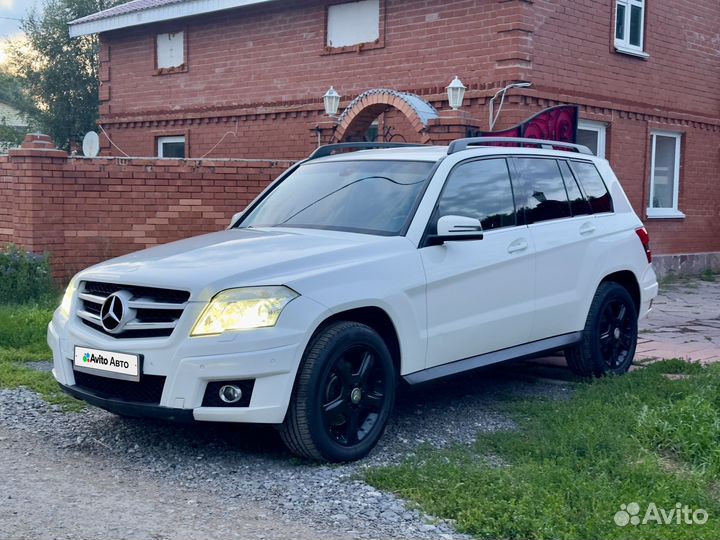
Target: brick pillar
x: 33, y: 174
x: 450, y: 126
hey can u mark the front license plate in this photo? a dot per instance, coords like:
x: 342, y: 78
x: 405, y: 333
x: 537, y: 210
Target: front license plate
x: 107, y: 363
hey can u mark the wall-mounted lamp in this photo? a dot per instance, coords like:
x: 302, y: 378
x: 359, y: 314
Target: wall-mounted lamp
x: 456, y: 93
x: 332, y: 102
x: 494, y: 117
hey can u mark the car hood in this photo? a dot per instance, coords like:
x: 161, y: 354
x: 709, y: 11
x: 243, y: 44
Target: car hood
x: 212, y: 262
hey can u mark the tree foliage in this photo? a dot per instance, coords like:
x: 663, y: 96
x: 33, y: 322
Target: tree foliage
x: 58, y: 73
x: 11, y: 93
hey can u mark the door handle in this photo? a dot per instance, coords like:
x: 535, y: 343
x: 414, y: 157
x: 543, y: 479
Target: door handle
x: 587, y: 228
x: 517, y: 246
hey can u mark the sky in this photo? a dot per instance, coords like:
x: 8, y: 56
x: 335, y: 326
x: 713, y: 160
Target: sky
x: 10, y: 10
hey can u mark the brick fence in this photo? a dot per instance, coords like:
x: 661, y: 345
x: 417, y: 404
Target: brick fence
x: 83, y: 211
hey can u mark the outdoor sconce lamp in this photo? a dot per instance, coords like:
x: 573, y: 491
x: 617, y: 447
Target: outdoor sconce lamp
x: 332, y: 102
x: 456, y: 93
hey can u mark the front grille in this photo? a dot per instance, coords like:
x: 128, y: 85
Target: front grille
x: 154, y: 311
x: 148, y: 390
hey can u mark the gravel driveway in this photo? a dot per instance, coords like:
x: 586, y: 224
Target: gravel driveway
x: 92, y: 474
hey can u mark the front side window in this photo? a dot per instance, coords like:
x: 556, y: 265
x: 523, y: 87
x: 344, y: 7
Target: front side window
x: 482, y: 190
x: 664, y: 175
x: 540, y: 191
x: 171, y: 147
x: 629, y: 25
x: 371, y: 197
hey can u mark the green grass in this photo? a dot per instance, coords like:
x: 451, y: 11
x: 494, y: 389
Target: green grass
x: 22, y: 339
x: 25, y: 278
x: 570, y: 464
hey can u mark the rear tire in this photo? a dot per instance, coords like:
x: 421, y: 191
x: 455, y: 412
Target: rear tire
x: 343, y: 395
x: 610, y: 334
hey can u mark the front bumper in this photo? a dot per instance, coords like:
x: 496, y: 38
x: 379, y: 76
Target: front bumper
x: 269, y: 356
x: 127, y: 408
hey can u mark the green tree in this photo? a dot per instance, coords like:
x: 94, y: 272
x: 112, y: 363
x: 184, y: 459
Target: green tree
x: 59, y: 74
x: 11, y: 93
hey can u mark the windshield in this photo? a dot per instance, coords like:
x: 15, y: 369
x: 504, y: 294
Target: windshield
x: 373, y: 197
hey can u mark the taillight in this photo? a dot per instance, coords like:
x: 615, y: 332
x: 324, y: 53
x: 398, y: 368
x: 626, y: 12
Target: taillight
x: 645, y: 239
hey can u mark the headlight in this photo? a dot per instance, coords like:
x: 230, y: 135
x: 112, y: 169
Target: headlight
x: 67, y: 298
x: 242, y: 309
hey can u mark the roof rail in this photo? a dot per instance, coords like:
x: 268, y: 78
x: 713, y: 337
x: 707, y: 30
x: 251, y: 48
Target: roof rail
x: 330, y: 149
x: 463, y: 144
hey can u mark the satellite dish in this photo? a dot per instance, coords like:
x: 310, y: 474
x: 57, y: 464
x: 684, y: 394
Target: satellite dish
x: 91, y: 144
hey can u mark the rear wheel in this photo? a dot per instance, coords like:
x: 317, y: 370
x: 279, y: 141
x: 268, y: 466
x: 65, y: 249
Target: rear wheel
x: 343, y: 395
x: 610, y: 335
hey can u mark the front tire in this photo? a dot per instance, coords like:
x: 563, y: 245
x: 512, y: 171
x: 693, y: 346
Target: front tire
x: 610, y: 335
x: 343, y: 395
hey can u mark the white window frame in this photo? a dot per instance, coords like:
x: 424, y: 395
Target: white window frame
x: 344, y: 23
x: 623, y: 45
x: 601, y: 129
x: 160, y: 39
x: 665, y: 213
x: 174, y: 139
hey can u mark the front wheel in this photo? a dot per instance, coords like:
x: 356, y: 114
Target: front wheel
x: 610, y: 335
x: 343, y: 395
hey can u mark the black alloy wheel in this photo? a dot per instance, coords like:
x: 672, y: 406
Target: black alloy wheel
x: 610, y: 335
x: 343, y: 394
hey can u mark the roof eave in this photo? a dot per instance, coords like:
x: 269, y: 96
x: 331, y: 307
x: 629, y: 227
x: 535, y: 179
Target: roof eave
x: 154, y: 15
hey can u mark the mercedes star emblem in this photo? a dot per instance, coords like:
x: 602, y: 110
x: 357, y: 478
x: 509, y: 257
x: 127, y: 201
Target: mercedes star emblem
x: 114, y: 313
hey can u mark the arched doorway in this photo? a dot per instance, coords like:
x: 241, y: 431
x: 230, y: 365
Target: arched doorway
x: 404, y: 117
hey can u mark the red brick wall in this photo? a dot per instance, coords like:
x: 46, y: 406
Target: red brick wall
x: 573, y: 53
x: 83, y: 211
x: 274, y: 53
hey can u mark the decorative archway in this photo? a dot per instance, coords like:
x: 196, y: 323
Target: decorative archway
x: 364, y: 109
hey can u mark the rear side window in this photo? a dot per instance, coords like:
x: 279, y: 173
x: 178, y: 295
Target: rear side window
x: 578, y: 203
x: 540, y: 191
x: 482, y: 190
x: 593, y: 186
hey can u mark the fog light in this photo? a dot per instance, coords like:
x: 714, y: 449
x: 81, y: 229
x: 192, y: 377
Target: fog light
x: 230, y: 393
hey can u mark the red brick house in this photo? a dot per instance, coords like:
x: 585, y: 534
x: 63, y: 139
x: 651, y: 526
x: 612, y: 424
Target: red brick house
x: 245, y: 79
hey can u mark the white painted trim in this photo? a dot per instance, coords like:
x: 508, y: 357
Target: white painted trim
x: 619, y: 48
x: 177, y: 10
x: 601, y: 129
x: 664, y: 213
x: 673, y: 212
x: 623, y: 45
x: 163, y: 140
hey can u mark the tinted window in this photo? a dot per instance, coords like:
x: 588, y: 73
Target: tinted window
x: 374, y: 197
x: 593, y: 186
x: 578, y: 203
x: 482, y: 190
x: 540, y: 191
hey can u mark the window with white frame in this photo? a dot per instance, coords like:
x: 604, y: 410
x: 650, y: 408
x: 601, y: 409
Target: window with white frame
x: 593, y: 135
x: 170, y: 52
x: 630, y: 26
x: 664, y: 175
x: 353, y: 23
x: 171, y: 147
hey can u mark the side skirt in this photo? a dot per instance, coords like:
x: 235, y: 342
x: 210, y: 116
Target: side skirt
x: 511, y: 353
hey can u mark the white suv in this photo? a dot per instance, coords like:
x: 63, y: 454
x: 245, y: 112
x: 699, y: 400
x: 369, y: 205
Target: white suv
x: 356, y: 270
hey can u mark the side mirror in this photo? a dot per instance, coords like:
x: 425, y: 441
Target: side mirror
x: 235, y: 217
x: 456, y: 228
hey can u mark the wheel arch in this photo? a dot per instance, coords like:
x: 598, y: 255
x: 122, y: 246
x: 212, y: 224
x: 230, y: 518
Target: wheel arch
x: 377, y: 319
x: 629, y: 281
